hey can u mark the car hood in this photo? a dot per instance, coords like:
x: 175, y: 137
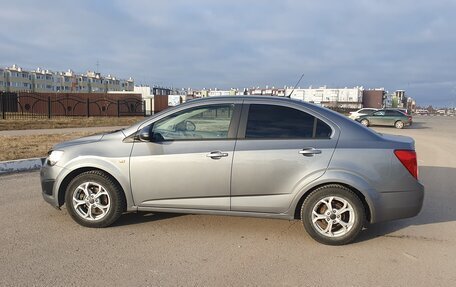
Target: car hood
x: 83, y: 140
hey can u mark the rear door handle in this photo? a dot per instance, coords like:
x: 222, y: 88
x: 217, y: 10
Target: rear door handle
x: 309, y: 151
x: 217, y: 154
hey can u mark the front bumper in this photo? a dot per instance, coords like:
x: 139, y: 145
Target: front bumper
x: 397, y: 205
x: 48, y: 177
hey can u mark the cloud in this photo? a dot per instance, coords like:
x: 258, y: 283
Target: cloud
x: 202, y: 43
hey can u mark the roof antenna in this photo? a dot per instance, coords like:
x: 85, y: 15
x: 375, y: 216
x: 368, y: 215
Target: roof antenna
x: 302, y: 76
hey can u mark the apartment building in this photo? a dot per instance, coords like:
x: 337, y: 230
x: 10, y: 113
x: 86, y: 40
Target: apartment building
x: 217, y: 93
x: 67, y: 81
x: 233, y: 92
x: 96, y: 83
x: 43, y: 81
x: 265, y: 91
x: 351, y: 98
x: 2, y: 79
x: 160, y: 91
x: 83, y: 85
x: 112, y: 83
x: 127, y: 85
x: 198, y: 93
x: 15, y: 79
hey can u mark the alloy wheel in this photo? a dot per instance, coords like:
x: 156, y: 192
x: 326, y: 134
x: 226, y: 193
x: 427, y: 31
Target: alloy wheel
x: 91, y: 201
x: 333, y: 216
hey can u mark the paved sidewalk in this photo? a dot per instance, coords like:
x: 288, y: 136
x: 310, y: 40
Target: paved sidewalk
x: 57, y: 131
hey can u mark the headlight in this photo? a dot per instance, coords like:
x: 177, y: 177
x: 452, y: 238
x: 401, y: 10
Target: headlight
x: 54, y: 157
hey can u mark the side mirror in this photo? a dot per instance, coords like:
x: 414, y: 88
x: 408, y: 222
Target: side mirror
x: 144, y: 134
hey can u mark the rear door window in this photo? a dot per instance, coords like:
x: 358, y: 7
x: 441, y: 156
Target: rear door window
x: 278, y: 122
x: 391, y: 113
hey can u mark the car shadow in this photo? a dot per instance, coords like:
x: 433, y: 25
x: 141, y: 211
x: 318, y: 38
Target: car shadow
x: 386, y: 129
x: 438, y: 207
x: 143, y: 217
x: 418, y: 125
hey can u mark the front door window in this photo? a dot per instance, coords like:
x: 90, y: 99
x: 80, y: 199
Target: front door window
x: 202, y: 123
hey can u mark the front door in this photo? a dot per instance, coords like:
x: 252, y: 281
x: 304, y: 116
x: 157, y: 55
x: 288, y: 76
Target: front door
x: 377, y: 118
x: 187, y: 164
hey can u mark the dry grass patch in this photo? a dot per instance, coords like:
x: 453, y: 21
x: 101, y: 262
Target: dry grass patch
x: 67, y: 122
x: 20, y: 147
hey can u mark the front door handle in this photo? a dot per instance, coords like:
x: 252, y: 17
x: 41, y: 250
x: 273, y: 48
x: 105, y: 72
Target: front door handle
x: 309, y: 151
x: 217, y: 154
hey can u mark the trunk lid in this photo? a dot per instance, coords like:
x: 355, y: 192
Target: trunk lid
x: 403, y: 142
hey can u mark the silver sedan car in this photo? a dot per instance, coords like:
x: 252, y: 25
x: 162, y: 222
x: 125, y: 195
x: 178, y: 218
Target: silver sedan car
x: 245, y: 156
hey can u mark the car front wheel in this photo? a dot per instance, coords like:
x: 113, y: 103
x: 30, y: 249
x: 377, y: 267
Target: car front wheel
x: 333, y: 215
x: 365, y: 122
x: 94, y: 199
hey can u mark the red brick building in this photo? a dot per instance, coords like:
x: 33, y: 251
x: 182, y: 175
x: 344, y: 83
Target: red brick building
x: 373, y: 98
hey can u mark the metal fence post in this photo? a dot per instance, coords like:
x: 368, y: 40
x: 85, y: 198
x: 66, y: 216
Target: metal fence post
x: 144, y: 108
x: 88, y: 108
x: 3, y: 106
x: 49, y: 107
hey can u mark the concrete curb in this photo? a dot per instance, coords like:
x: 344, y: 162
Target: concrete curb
x: 21, y: 165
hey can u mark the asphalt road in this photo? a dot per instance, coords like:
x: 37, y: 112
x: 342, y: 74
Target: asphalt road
x: 42, y: 246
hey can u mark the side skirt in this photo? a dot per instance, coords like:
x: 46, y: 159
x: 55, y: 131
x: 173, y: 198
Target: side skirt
x: 218, y: 212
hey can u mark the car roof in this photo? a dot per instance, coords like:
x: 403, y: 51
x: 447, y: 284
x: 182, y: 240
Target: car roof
x: 268, y: 99
x: 263, y: 99
x: 396, y: 109
x: 352, y: 129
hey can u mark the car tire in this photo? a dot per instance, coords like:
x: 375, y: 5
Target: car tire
x: 365, y: 122
x: 338, y: 226
x: 94, y: 199
x: 399, y: 125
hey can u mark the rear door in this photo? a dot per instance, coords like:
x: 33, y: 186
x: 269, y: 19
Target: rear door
x: 391, y: 117
x: 280, y: 149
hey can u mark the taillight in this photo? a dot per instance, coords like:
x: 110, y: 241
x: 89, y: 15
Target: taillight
x: 408, y: 159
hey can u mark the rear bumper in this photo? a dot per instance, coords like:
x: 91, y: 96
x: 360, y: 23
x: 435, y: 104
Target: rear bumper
x: 397, y: 205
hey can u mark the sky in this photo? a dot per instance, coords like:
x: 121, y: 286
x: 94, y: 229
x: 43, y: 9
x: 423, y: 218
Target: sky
x: 406, y: 44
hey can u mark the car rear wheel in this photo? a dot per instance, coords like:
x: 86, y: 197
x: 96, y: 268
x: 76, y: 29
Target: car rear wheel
x: 399, y: 124
x: 365, y: 122
x: 333, y: 215
x: 93, y: 199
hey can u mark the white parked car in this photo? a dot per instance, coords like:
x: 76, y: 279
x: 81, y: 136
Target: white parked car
x: 362, y: 112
